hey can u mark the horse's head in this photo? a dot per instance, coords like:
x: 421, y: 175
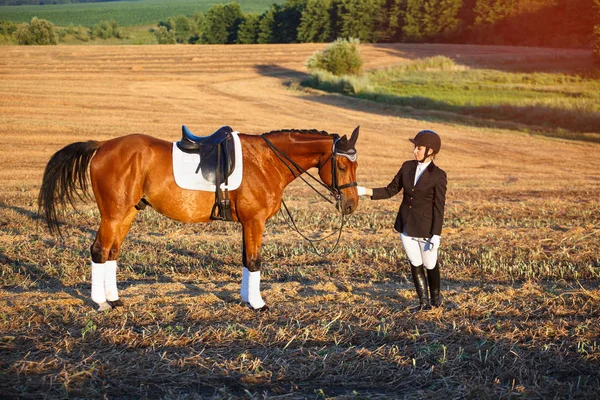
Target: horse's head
x: 339, y: 172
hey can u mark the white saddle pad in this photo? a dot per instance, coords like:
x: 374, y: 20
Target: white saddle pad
x: 185, y: 165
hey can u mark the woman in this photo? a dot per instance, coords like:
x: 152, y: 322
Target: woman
x: 421, y: 213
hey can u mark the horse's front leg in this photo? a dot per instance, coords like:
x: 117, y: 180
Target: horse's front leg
x: 251, y: 246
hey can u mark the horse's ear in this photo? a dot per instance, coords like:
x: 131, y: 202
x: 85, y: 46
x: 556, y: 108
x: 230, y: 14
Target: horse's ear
x: 342, y: 143
x: 353, y: 138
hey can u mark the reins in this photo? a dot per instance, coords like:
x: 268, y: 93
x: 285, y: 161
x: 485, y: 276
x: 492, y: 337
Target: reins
x: 300, y: 171
x: 334, y: 190
x: 292, y: 224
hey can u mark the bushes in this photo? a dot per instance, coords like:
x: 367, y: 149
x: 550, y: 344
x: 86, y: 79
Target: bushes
x: 39, y: 31
x: 107, y: 29
x: 178, y: 29
x: 164, y: 35
x: 335, y: 69
x: 43, y: 32
x: 342, y: 57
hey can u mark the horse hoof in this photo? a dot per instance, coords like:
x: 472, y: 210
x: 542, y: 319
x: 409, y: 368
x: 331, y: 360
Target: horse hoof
x: 116, y: 303
x: 261, y: 309
x: 104, y: 306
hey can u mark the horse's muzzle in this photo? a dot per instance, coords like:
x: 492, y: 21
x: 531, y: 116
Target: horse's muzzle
x: 346, y: 205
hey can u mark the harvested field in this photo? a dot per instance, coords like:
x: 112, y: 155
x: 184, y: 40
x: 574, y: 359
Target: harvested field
x: 520, y: 264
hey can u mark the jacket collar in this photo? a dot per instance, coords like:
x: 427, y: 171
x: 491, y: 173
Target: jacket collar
x: 424, y: 176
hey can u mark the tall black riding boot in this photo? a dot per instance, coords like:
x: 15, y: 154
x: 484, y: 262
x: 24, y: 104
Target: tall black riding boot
x: 433, y: 277
x: 421, y: 285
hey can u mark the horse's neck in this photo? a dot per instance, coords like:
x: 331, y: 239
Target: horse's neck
x: 305, y: 149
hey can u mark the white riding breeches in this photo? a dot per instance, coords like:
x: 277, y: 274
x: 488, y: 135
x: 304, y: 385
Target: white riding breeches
x: 419, y: 251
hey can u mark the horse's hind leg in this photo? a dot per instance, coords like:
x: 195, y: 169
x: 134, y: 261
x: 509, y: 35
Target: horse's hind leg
x: 105, y: 251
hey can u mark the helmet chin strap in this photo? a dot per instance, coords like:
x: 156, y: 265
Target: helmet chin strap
x: 426, y: 155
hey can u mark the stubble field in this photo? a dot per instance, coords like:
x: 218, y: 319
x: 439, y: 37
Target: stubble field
x: 520, y: 265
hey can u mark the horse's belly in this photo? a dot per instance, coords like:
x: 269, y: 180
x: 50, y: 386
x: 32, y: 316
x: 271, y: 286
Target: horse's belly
x: 184, y: 205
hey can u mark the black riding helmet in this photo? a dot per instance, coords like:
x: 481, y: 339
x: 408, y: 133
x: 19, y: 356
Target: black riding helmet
x: 428, y: 139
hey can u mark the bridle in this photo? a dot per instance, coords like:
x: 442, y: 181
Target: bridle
x: 334, y: 189
x: 297, y: 171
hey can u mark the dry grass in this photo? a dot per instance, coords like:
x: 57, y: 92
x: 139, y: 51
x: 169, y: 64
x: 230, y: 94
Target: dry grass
x: 520, y: 246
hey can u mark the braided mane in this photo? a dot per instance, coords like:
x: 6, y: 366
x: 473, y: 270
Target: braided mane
x: 302, y: 131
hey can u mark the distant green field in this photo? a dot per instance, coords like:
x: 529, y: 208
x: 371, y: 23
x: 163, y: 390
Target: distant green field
x: 559, y: 104
x: 126, y: 13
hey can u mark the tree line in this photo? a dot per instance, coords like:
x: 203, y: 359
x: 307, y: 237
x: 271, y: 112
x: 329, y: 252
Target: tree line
x: 549, y: 23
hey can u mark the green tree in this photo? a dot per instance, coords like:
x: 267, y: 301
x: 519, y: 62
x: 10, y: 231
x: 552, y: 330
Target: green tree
x: 596, y: 34
x: 164, y: 35
x: 361, y: 19
x: 39, y: 31
x: 279, y: 24
x: 596, y: 44
x: 391, y: 30
x: 578, y: 22
x: 491, y: 11
x: 556, y: 23
x: 221, y: 24
x: 184, y: 28
x: 430, y: 19
x: 266, y: 26
x: 249, y: 28
x: 316, y: 21
x: 198, y: 20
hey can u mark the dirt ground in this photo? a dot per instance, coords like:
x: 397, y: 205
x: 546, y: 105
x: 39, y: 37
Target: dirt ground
x: 53, y: 96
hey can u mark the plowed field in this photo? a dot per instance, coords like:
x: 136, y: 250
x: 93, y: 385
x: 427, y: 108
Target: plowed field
x: 520, y: 266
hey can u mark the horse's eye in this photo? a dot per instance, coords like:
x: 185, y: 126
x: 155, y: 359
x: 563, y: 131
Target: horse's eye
x: 342, y: 168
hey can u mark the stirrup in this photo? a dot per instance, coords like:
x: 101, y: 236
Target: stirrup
x: 221, y: 211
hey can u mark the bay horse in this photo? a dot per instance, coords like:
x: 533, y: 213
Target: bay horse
x: 133, y: 170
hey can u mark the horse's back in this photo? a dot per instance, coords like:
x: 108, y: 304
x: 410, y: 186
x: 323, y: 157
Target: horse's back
x: 132, y: 143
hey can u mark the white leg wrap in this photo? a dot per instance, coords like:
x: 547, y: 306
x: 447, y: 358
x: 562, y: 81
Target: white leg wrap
x: 244, y: 288
x: 251, y: 289
x: 110, y: 281
x: 98, y: 273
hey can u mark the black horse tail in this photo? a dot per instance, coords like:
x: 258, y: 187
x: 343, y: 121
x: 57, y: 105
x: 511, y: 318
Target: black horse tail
x: 65, y: 180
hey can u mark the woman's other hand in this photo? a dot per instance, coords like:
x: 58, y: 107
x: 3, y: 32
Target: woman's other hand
x: 434, y: 242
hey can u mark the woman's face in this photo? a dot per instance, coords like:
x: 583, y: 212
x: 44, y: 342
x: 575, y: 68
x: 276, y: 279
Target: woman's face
x: 419, y: 152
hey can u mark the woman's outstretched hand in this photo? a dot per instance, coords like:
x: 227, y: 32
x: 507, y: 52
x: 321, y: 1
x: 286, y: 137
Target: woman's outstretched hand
x: 364, y: 191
